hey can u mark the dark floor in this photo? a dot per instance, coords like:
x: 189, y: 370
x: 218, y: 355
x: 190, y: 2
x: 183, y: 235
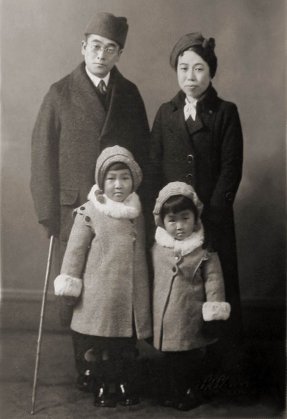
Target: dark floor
x: 252, y: 384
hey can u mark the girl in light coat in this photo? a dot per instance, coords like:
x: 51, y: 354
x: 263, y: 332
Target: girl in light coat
x: 104, y: 272
x: 188, y: 290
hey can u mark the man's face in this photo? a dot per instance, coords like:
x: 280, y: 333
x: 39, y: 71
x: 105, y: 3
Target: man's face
x: 101, y: 54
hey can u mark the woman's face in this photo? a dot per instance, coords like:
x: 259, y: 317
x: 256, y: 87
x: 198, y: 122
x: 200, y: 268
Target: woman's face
x: 192, y: 74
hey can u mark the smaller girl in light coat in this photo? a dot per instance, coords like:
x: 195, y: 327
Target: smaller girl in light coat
x: 188, y: 291
x: 104, y: 272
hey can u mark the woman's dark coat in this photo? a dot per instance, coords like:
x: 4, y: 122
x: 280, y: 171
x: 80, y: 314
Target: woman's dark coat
x: 207, y: 154
x: 72, y: 128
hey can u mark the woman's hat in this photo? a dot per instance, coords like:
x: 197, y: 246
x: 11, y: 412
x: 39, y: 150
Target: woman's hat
x: 200, y: 45
x: 117, y: 154
x: 109, y: 26
x: 172, y: 189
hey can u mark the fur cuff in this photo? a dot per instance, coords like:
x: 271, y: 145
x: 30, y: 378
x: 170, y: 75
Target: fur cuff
x: 67, y: 286
x: 214, y: 310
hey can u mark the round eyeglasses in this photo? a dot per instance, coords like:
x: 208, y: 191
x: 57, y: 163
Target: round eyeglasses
x: 96, y: 48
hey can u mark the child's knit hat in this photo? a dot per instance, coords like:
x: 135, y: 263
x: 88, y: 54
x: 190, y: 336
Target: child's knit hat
x: 117, y: 154
x: 172, y: 189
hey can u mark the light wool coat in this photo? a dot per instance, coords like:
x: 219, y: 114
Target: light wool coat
x: 188, y: 290
x: 105, y: 265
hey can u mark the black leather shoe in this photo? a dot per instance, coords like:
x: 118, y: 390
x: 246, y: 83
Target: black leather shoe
x: 126, y: 397
x: 188, y: 401
x: 85, y: 381
x: 103, y: 397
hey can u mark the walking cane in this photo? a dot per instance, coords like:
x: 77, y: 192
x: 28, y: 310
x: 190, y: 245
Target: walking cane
x: 39, y: 341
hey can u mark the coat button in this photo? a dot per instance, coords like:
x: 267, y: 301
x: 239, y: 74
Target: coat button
x: 210, y: 111
x: 174, y: 269
x: 190, y: 158
x: 87, y: 219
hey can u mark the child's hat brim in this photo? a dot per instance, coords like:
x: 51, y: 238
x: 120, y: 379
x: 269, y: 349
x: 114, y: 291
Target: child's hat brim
x: 172, y: 189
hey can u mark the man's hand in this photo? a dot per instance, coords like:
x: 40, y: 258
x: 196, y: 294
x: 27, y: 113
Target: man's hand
x: 51, y: 227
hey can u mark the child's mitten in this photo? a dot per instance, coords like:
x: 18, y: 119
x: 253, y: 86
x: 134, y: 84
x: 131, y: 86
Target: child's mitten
x: 215, y: 310
x: 67, y: 286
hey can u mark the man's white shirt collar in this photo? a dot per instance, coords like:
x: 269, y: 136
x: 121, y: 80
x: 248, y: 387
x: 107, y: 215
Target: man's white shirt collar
x: 96, y: 80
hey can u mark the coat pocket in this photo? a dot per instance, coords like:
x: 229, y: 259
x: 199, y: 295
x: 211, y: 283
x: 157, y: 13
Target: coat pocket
x: 68, y: 196
x: 69, y: 201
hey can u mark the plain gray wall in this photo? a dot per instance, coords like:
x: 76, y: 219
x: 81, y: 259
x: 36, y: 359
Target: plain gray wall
x: 41, y: 42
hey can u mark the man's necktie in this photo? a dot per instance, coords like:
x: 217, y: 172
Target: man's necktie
x: 102, y: 87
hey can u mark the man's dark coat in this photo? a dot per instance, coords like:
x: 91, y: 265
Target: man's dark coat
x: 71, y: 130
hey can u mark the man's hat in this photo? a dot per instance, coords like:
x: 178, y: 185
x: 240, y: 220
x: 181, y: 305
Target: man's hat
x: 109, y: 26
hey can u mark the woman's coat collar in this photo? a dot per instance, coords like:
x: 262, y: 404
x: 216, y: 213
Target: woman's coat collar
x: 208, y: 102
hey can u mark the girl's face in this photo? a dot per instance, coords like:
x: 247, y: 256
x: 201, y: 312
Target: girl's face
x: 192, y: 74
x: 179, y: 225
x: 118, y: 184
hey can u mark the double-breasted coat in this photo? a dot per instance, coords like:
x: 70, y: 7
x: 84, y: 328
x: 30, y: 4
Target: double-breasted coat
x: 184, y: 283
x: 105, y: 266
x: 207, y: 154
x: 72, y: 128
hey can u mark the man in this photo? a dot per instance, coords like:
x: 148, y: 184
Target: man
x: 92, y: 108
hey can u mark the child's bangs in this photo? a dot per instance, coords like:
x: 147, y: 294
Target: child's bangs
x: 118, y: 166
x: 178, y: 203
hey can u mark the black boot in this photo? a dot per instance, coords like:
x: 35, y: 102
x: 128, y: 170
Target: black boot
x: 85, y: 381
x: 184, y: 373
x: 127, y: 374
x: 188, y: 400
x: 126, y: 395
x: 81, y: 343
x: 103, y: 397
x: 103, y: 370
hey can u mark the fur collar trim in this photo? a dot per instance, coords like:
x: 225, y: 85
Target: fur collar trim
x: 183, y: 247
x: 130, y: 208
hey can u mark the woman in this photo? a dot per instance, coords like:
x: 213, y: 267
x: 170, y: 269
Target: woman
x: 197, y: 138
